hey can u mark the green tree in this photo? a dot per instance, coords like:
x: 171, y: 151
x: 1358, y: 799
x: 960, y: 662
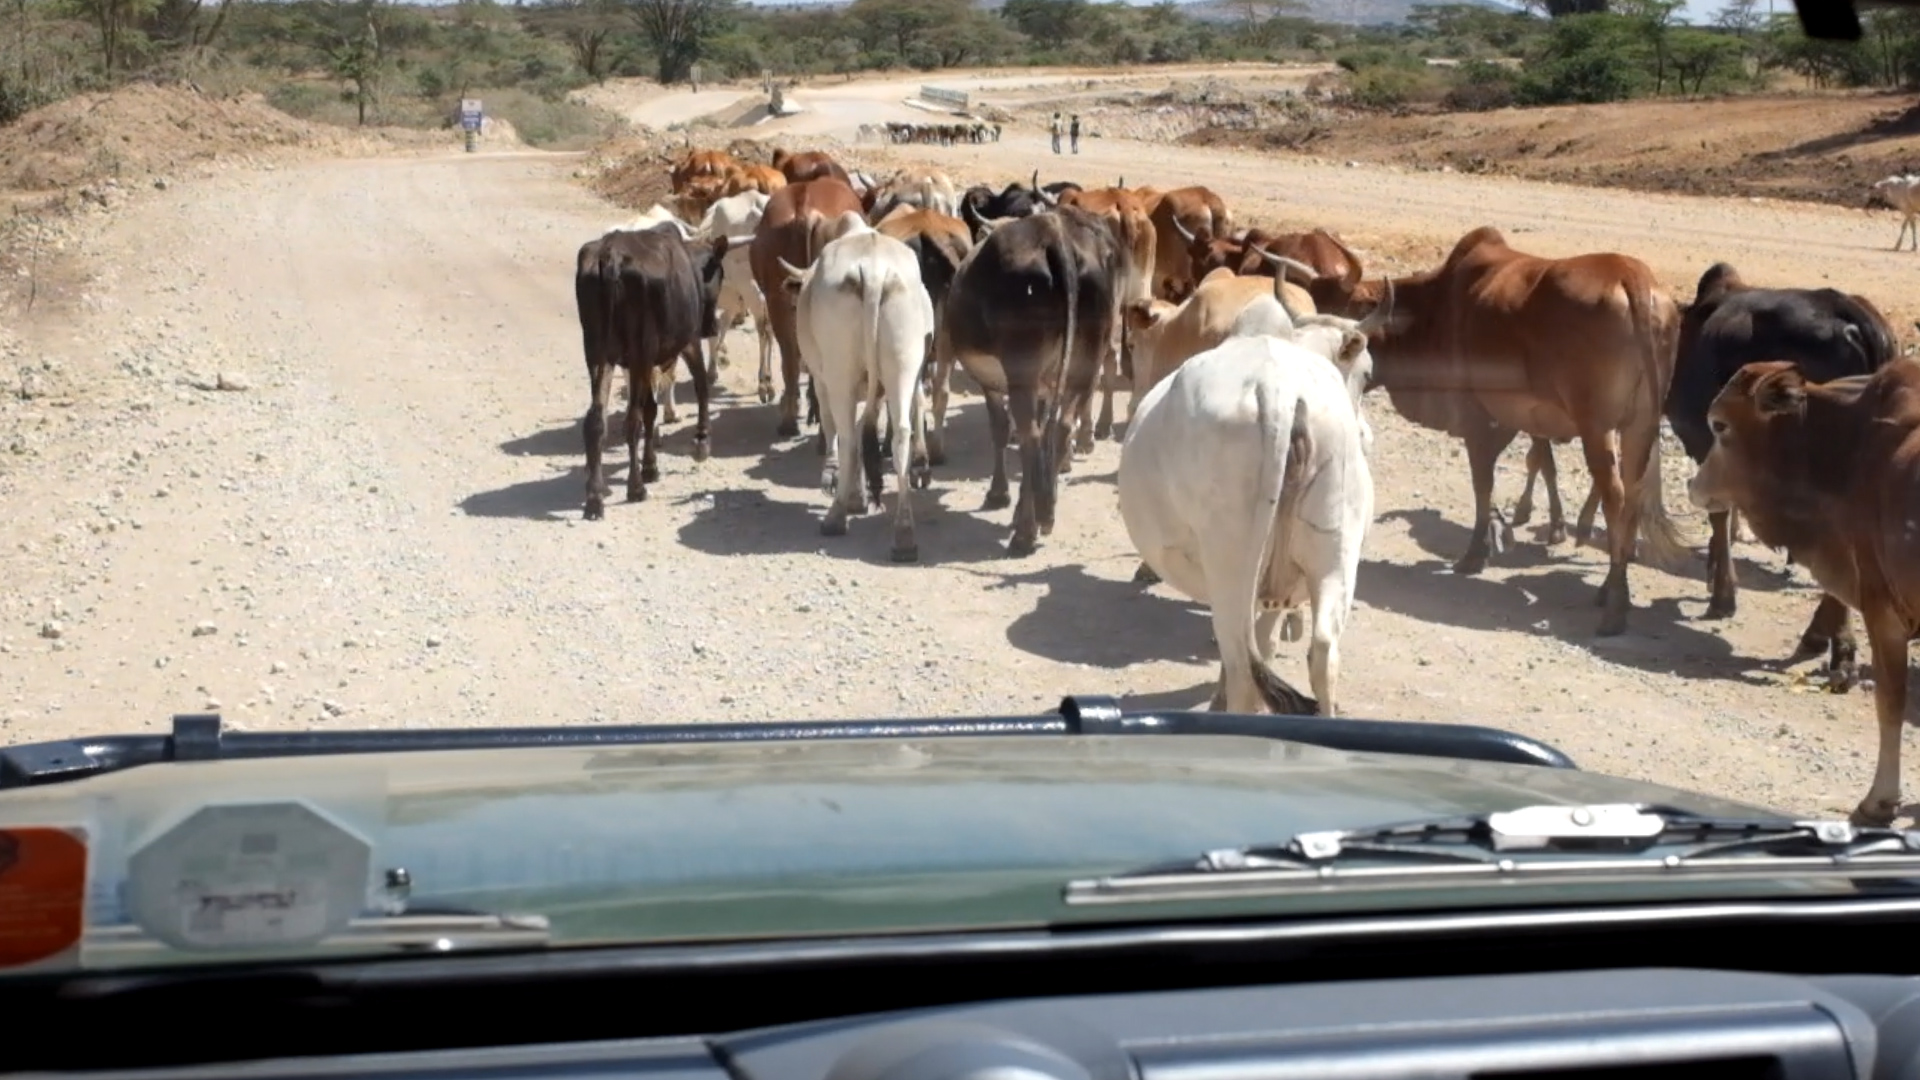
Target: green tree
x: 116, y: 21
x: 1699, y: 55
x: 678, y: 31
x: 1050, y: 23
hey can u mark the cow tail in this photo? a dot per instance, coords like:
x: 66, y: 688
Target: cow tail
x: 1666, y: 549
x: 1284, y: 452
x: 1066, y: 270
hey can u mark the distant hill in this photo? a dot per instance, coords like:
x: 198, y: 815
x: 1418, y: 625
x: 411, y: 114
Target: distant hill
x: 1341, y: 12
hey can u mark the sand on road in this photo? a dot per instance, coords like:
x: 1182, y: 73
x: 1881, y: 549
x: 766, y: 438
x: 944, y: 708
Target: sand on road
x: 383, y: 528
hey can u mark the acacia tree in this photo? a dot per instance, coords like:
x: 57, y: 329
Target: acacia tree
x: 115, y: 20
x: 678, y: 30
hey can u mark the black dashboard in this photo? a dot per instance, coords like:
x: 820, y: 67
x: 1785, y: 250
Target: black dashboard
x: 1596, y: 1025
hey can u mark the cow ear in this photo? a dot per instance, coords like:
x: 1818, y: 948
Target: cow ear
x: 1141, y: 316
x: 1352, y: 344
x: 1780, y: 393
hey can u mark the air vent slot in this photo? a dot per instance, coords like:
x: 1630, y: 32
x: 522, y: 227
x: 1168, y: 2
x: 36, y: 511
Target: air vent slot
x: 1743, y: 1068
x: 1756, y: 1042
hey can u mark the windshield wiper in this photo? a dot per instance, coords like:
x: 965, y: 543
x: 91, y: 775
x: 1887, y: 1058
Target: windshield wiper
x: 445, y: 931
x: 1612, y: 842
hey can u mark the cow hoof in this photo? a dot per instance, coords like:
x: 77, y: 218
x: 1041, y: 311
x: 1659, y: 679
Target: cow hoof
x: 1470, y: 564
x: 1020, y: 547
x: 636, y: 493
x: 1842, y: 680
x: 649, y: 474
x: 830, y: 480
x: 596, y: 509
x: 1102, y: 431
x: 833, y: 525
x: 1556, y: 534
x: 906, y: 554
x: 788, y: 428
x: 1612, y: 624
x: 1723, y: 609
x: 936, y: 450
x: 997, y: 500
x: 1874, y: 813
x: 922, y: 478
x: 1144, y: 575
x: 765, y: 394
x: 702, y: 449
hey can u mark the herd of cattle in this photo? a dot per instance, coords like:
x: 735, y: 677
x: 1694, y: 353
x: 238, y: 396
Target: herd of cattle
x: 930, y: 134
x: 1244, y: 477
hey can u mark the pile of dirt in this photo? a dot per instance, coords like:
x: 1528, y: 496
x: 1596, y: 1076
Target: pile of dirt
x: 1812, y: 147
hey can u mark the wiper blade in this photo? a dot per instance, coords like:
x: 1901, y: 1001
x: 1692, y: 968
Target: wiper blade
x: 1618, y: 842
x: 409, y: 933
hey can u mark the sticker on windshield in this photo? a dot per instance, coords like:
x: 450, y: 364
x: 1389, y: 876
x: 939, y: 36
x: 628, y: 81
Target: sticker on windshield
x: 266, y: 874
x: 43, y: 893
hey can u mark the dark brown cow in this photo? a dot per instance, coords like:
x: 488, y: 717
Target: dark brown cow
x: 790, y: 228
x: 1031, y: 318
x: 941, y: 242
x: 1831, y: 472
x: 646, y: 299
x: 1496, y: 342
x: 1195, y: 211
x: 700, y: 163
x: 809, y: 165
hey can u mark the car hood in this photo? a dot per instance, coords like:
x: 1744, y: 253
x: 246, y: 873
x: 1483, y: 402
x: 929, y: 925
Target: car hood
x: 672, y: 842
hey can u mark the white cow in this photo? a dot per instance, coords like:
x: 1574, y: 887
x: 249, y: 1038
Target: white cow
x: 655, y: 215
x: 1903, y: 194
x: 1244, y: 484
x: 865, y: 326
x: 739, y: 215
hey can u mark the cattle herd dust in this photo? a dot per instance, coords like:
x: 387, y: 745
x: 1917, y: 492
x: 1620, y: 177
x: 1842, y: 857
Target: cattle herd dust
x: 979, y: 443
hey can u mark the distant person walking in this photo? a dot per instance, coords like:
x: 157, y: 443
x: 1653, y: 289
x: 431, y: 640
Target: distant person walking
x: 1056, y: 133
x: 1075, y: 129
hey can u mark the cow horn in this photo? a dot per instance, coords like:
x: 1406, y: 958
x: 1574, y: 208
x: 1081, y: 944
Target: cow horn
x: 1184, y: 234
x: 739, y: 241
x: 1281, y: 262
x: 1035, y: 185
x: 1122, y: 182
x: 794, y: 273
x: 1377, y: 318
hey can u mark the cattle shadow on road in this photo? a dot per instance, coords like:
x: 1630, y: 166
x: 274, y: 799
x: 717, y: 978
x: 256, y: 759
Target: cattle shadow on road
x: 1445, y: 539
x: 1195, y: 697
x: 747, y: 522
x: 1659, y: 638
x: 1084, y: 619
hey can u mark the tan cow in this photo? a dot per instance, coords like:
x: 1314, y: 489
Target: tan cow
x: 1181, y: 213
x: 1223, y: 305
x: 700, y: 163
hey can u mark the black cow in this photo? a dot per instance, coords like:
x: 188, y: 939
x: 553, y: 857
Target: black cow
x: 1031, y: 316
x: 1828, y: 334
x: 646, y: 299
x: 980, y: 208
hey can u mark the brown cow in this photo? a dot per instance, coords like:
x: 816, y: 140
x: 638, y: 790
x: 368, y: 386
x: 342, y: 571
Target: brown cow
x: 700, y: 163
x: 1126, y: 214
x: 809, y: 165
x: 1193, y: 211
x: 1031, y: 318
x: 764, y: 179
x: 941, y: 242
x: 791, y: 228
x: 693, y: 201
x: 1336, y: 270
x: 1831, y: 472
x: 1495, y: 342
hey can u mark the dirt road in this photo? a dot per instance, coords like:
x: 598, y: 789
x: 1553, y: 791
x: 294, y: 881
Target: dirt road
x: 382, y: 528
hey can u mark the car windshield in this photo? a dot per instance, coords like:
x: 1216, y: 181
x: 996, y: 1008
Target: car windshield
x: 1384, y: 365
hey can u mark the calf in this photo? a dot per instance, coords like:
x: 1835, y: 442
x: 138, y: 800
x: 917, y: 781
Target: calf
x: 865, y: 324
x: 1244, y: 484
x: 1031, y: 318
x: 645, y: 299
x: 1831, y: 472
x: 739, y: 215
